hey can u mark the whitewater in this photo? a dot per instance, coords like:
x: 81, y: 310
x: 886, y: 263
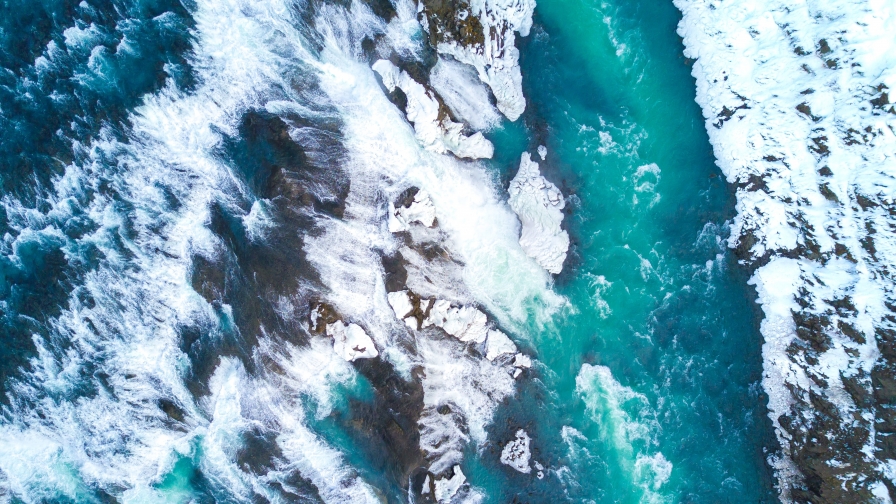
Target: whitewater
x: 399, y: 251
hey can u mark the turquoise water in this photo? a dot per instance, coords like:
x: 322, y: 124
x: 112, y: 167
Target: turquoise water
x: 656, y: 299
x: 646, y: 387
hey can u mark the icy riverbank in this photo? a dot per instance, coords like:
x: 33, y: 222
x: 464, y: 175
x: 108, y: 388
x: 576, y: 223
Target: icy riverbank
x: 797, y: 109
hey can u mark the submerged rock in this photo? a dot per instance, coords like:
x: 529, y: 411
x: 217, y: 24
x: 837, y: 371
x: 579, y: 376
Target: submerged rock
x: 539, y: 205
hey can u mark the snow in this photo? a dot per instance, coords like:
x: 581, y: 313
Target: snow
x: 465, y: 323
x: 351, y: 342
x: 436, y: 134
x: 421, y: 211
x: 446, y: 488
x: 497, y: 61
x: 516, y: 453
x: 497, y: 345
x: 400, y: 303
x: 792, y: 94
x: 539, y: 205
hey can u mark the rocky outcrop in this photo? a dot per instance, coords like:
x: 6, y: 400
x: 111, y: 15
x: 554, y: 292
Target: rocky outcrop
x: 432, y: 124
x: 417, y: 208
x: 351, y: 342
x: 539, y: 205
x: 796, y: 107
x: 516, y: 453
x: 482, y: 34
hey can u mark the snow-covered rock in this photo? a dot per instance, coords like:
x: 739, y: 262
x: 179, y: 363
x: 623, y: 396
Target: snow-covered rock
x: 796, y: 102
x: 498, y: 344
x: 420, y: 210
x: 446, y: 488
x: 463, y: 93
x: 539, y: 205
x: 489, y: 44
x: 351, y: 342
x: 401, y: 303
x: 465, y: 323
x: 432, y: 126
x: 516, y: 453
x: 522, y: 361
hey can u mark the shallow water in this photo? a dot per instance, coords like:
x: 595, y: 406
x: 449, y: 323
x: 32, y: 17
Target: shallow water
x: 150, y: 274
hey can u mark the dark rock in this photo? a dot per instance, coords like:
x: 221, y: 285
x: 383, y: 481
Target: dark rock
x: 452, y: 21
x: 386, y: 427
x: 811, y: 328
x: 320, y: 315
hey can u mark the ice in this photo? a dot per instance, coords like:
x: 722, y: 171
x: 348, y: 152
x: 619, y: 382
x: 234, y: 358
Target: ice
x: 516, y: 453
x: 539, y: 205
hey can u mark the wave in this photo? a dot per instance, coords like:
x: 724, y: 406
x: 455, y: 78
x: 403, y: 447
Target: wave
x: 184, y: 363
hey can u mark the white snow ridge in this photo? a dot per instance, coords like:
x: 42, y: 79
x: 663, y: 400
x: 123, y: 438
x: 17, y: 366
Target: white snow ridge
x: 797, y: 108
x: 539, y: 205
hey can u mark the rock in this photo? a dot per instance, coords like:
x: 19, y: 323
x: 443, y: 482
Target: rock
x: 420, y: 210
x: 516, y: 453
x: 467, y: 97
x: 465, y: 323
x: 446, y: 488
x: 433, y: 127
x: 351, y: 342
x: 539, y: 205
x: 482, y: 34
x: 498, y: 344
x: 321, y: 315
x: 522, y: 361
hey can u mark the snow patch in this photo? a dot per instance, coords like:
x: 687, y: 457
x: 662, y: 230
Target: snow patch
x: 351, y: 342
x: 539, y: 205
x: 421, y: 210
x: 516, y: 453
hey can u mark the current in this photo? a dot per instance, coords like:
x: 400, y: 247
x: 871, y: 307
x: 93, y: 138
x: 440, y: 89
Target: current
x: 197, y: 195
